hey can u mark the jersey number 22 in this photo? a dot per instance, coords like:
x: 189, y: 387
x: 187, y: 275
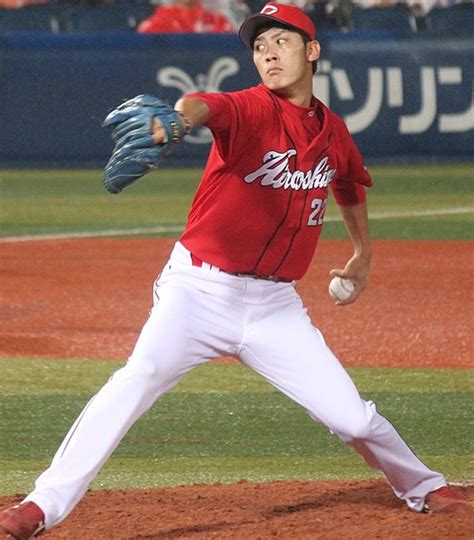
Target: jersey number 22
x: 317, y: 215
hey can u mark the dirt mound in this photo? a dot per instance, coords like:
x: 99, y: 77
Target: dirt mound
x: 290, y: 510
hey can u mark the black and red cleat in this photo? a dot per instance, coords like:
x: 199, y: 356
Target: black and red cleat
x: 22, y: 521
x: 448, y: 501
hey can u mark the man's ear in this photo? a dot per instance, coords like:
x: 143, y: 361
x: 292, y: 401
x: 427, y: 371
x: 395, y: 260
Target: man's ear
x: 313, y: 51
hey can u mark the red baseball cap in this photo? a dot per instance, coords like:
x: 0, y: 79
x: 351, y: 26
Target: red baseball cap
x: 290, y: 16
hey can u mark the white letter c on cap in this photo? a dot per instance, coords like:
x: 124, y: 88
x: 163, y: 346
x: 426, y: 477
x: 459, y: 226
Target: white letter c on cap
x: 269, y: 10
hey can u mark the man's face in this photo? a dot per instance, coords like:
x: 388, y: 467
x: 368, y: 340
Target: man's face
x: 283, y: 60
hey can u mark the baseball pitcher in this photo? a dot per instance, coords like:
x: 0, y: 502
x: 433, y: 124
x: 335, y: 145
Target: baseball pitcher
x: 229, y: 285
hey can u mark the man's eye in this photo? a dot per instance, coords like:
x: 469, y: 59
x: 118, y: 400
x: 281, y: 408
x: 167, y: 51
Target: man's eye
x: 280, y: 41
x: 259, y: 48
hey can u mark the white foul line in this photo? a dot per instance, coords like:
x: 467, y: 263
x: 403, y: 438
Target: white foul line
x: 95, y: 234
x: 163, y: 229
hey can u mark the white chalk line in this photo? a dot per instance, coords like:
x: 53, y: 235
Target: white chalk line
x: 167, y: 229
x: 95, y: 234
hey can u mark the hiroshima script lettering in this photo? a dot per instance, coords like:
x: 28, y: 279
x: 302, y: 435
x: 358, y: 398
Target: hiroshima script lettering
x: 275, y: 172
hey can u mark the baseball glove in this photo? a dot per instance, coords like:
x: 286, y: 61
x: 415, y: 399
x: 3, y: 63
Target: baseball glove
x: 135, y: 153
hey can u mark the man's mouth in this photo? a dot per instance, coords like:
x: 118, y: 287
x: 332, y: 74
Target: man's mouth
x: 274, y: 71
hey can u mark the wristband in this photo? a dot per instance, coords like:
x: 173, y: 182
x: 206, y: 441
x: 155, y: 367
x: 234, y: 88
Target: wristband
x: 186, y: 123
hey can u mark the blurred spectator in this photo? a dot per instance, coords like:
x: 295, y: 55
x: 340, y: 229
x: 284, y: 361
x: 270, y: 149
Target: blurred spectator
x: 185, y: 16
x: 76, y: 3
x: 234, y: 10
x: 423, y: 5
x: 302, y: 4
x: 339, y: 13
x: 257, y: 5
x: 17, y: 4
x: 374, y: 3
x: 419, y: 8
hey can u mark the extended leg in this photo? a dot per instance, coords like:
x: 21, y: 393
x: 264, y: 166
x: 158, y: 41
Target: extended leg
x: 284, y: 347
x: 165, y: 351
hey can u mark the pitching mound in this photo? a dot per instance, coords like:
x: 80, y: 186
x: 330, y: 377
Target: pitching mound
x: 290, y: 510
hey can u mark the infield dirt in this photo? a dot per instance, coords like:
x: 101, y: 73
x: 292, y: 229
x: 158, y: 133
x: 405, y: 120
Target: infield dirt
x: 89, y: 299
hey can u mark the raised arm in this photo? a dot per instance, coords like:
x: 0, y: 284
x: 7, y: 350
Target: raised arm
x: 357, y: 268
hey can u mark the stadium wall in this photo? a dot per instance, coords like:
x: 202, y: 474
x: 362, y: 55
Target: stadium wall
x: 405, y: 99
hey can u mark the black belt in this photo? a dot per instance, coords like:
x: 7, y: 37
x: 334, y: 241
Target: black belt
x: 196, y: 261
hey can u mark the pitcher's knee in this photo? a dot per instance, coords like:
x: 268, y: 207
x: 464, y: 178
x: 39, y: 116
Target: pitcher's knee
x: 354, y: 431
x: 357, y: 425
x: 152, y: 371
x: 148, y: 376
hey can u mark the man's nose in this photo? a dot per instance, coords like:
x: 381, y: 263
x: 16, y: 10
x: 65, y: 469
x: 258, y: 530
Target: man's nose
x: 271, y: 55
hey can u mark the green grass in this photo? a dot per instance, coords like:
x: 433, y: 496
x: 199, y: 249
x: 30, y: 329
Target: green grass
x: 223, y: 423
x: 39, y: 202
x: 63, y: 201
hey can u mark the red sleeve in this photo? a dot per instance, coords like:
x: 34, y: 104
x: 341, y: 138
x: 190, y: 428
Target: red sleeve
x: 352, y: 176
x: 222, y: 110
x: 231, y: 114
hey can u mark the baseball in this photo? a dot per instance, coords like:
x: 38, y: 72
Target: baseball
x: 340, y: 289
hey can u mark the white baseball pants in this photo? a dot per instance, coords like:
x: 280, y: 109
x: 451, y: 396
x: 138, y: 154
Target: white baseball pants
x: 201, y: 313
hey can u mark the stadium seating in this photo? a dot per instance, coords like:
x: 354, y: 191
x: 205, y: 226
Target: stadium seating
x: 24, y: 20
x: 52, y: 17
x: 457, y: 19
x: 125, y: 16
x: 321, y: 20
x: 113, y: 19
x: 394, y: 19
x: 140, y: 12
x: 255, y: 5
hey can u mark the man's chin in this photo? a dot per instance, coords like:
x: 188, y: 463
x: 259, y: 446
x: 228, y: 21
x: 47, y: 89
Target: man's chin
x: 276, y: 86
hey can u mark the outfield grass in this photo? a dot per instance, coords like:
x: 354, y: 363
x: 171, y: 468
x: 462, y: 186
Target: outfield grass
x: 224, y: 423
x: 49, y: 202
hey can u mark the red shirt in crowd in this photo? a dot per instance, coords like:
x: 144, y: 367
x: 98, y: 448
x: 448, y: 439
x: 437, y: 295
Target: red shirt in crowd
x: 177, y: 19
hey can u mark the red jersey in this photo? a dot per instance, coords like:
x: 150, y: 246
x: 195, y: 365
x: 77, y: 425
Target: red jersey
x: 260, y: 205
x: 176, y: 19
